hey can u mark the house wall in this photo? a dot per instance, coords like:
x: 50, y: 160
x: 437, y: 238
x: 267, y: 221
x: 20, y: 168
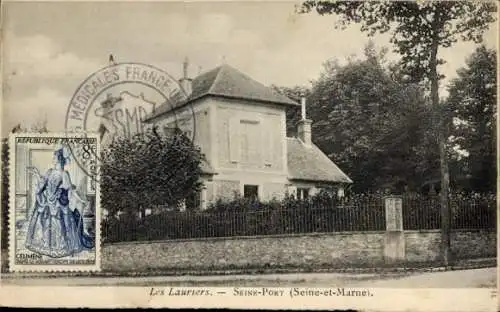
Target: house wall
x: 275, y: 191
x: 270, y: 123
x: 211, y: 119
x: 268, y: 169
x: 216, y: 123
x: 195, y: 120
x: 226, y: 189
x: 294, y: 185
x: 227, y: 184
x: 333, y: 250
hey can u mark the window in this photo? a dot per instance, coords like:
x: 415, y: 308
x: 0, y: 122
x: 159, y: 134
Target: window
x: 193, y: 202
x: 250, y: 142
x: 302, y: 193
x: 340, y: 192
x: 251, y: 191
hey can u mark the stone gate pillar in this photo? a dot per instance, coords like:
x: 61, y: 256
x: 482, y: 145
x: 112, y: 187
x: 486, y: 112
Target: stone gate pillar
x: 394, y: 242
x: 203, y: 198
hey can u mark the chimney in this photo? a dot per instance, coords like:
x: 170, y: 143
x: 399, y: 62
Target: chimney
x: 304, y: 125
x: 185, y: 81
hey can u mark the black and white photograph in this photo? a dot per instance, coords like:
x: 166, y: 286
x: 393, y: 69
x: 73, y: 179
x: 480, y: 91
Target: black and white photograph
x: 250, y: 154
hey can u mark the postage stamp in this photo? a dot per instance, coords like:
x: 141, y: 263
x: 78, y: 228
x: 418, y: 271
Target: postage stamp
x: 54, y: 216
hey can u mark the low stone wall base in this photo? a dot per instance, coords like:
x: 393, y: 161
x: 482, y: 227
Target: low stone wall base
x: 310, y: 252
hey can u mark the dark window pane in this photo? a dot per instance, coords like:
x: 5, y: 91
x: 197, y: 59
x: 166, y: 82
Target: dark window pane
x: 193, y: 202
x: 303, y: 193
x: 251, y: 191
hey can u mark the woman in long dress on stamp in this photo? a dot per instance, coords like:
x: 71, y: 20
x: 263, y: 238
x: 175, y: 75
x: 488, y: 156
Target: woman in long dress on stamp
x: 56, y: 228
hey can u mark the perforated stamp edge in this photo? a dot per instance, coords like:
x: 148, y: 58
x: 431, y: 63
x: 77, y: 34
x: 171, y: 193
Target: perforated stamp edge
x: 13, y: 267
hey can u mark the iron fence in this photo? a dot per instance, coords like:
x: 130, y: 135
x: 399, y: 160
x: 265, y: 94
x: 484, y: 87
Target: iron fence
x: 318, y: 215
x: 284, y: 219
x: 467, y: 212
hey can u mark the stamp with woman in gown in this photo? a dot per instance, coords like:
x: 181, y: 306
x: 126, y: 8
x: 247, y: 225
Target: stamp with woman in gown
x: 54, y: 211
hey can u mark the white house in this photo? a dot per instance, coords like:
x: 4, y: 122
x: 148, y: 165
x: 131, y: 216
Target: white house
x: 240, y: 126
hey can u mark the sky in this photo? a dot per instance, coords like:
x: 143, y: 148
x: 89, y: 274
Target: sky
x: 51, y: 47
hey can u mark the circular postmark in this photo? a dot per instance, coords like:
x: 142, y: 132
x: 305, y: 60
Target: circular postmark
x: 125, y: 99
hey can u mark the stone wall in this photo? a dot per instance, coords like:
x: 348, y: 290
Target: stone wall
x: 316, y: 250
x: 344, y: 250
x: 424, y: 246
x: 474, y: 243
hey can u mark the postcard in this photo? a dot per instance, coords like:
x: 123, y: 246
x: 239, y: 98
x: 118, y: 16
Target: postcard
x: 249, y: 154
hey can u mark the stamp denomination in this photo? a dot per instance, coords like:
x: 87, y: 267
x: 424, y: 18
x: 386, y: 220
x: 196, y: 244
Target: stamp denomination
x: 54, y: 206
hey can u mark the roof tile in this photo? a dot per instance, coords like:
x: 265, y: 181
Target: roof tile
x: 233, y: 83
x: 226, y: 81
x: 311, y: 164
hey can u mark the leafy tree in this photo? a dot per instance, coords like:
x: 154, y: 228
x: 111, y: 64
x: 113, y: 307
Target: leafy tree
x: 419, y: 29
x: 472, y: 98
x: 368, y: 119
x: 148, y: 170
x: 370, y: 101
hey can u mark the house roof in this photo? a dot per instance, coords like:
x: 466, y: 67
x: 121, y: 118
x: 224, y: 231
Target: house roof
x: 309, y: 163
x: 226, y: 81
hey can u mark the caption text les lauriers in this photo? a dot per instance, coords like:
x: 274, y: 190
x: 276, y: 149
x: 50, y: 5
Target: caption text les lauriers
x: 262, y: 292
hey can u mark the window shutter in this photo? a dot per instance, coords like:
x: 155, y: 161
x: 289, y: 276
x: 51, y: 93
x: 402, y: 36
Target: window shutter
x: 266, y: 139
x: 270, y: 143
x: 234, y: 139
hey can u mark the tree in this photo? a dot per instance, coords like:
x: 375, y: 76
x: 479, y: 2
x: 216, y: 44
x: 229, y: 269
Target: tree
x: 368, y: 119
x: 472, y: 100
x: 419, y: 29
x: 147, y: 170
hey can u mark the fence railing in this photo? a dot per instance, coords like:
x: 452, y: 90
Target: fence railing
x: 241, y: 218
x: 203, y: 224
x: 466, y: 213
x: 421, y: 213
